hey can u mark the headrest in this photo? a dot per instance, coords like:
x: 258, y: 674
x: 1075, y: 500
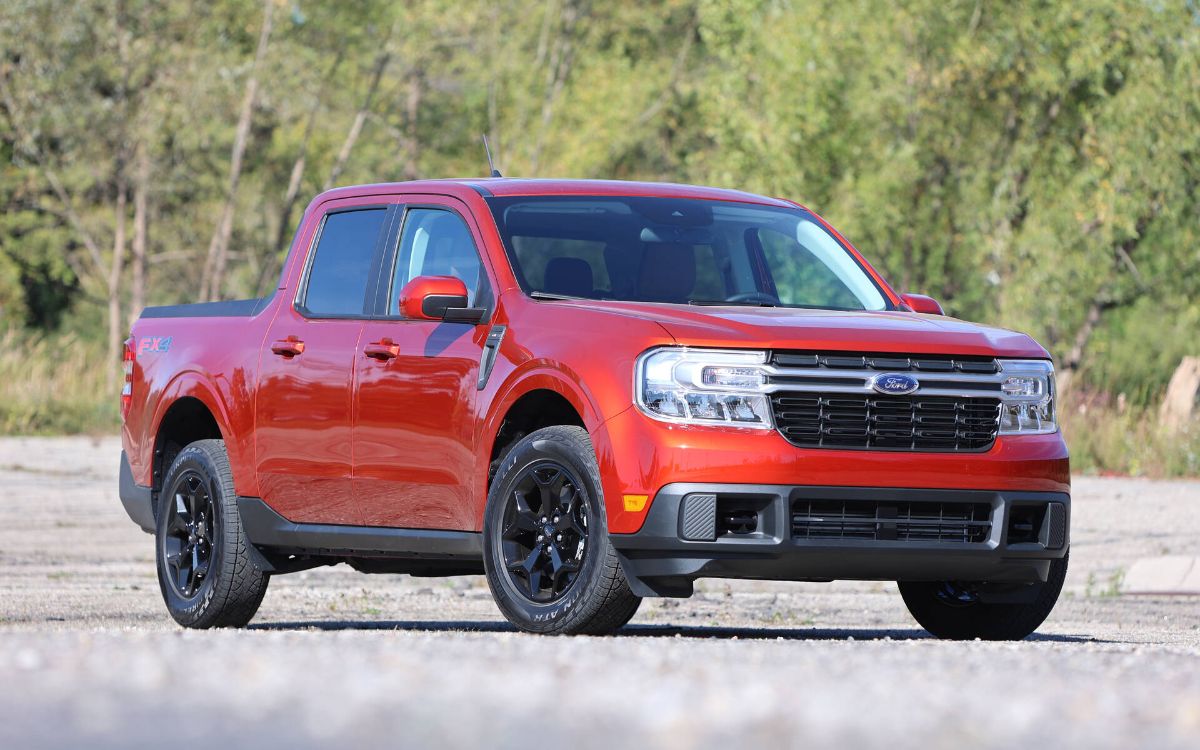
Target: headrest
x: 569, y: 276
x: 668, y: 272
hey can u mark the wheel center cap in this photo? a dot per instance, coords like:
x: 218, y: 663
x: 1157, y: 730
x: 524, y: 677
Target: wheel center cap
x: 548, y: 530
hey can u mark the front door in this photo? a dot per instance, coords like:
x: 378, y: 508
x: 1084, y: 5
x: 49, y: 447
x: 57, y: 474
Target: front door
x: 414, y: 436
x: 305, y: 391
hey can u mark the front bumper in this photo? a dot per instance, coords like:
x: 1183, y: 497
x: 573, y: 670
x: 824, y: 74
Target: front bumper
x: 641, y: 456
x: 684, y: 537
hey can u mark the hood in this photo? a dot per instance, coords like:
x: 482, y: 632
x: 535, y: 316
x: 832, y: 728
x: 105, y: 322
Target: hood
x: 824, y: 330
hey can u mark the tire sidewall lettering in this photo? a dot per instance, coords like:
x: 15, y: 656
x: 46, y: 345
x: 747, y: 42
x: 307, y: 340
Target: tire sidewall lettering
x: 541, y: 615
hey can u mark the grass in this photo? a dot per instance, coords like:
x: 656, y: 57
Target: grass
x: 56, y: 385
x: 1107, y: 437
x: 1112, y: 585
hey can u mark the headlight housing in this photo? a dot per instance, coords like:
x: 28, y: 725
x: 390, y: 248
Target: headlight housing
x: 704, y: 386
x: 1027, y: 397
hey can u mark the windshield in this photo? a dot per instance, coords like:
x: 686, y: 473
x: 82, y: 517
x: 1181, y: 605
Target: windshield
x: 679, y: 251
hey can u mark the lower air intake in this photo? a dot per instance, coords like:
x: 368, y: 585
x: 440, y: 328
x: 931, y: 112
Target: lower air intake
x: 950, y: 522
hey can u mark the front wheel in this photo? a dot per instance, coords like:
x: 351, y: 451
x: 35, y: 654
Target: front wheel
x: 954, y: 610
x: 549, y: 563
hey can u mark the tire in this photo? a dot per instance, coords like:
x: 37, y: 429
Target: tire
x: 949, y: 610
x: 218, y: 586
x: 552, y: 474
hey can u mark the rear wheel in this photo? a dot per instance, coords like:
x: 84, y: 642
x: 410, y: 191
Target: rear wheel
x: 957, y: 611
x: 549, y: 563
x: 205, y: 572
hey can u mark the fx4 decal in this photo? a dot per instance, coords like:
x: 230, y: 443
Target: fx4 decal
x: 154, y: 345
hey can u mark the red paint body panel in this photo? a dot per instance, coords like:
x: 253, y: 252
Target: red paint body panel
x: 414, y: 432
x: 639, y: 455
x: 303, y: 421
x: 223, y: 378
x: 404, y: 438
x: 415, y: 437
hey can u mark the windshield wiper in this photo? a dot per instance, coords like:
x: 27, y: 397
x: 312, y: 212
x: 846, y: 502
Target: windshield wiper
x: 727, y: 303
x: 552, y: 296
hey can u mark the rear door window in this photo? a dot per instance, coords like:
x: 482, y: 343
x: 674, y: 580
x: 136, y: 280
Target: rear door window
x: 342, y: 263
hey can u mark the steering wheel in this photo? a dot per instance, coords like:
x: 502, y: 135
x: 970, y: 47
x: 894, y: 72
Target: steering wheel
x: 754, y: 297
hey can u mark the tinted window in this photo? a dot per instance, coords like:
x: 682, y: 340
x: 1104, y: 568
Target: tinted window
x: 680, y: 251
x: 435, y: 243
x: 571, y: 267
x: 800, y: 277
x: 337, y: 280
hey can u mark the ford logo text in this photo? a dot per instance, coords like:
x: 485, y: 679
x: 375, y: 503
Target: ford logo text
x: 895, y: 384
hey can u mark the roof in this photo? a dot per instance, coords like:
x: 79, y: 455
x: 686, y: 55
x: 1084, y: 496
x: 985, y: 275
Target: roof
x: 513, y: 186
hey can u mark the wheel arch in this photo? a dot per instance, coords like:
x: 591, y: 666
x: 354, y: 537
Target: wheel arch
x: 528, y: 401
x: 189, y: 410
x: 533, y: 409
x: 185, y: 421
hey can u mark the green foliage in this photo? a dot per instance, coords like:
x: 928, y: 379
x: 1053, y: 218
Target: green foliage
x: 1111, y: 438
x: 1032, y: 164
x: 51, y: 385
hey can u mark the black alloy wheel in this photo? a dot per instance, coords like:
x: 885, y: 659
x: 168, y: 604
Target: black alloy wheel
x: 208, y: 572
x: 955, y: 594
x: 545, y: 531
x: 549, y: 562
x: 188, y: 545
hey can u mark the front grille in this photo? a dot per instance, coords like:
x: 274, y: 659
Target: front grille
x: 816, y: 419
x: 890, y: 362
x: 956, y: 522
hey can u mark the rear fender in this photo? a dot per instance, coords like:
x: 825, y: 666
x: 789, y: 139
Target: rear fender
x: 192, y: 384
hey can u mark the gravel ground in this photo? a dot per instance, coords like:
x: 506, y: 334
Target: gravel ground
x: 89, y: 656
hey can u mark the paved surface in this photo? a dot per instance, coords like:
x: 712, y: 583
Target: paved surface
x: 89, y: 657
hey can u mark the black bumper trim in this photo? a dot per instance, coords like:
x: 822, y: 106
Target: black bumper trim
x: 138, y: 500
x: 659, y: 561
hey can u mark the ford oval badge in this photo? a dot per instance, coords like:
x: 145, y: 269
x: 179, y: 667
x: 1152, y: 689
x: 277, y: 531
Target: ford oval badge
x: 895, y: 384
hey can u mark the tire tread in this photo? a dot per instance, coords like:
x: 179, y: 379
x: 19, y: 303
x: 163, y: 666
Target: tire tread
x: 240, y: 585
x: 989, y: 622
x: 610, y: 603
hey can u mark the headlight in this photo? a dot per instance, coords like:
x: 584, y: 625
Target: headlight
x: 704, y: 386
x: 1027, y: 397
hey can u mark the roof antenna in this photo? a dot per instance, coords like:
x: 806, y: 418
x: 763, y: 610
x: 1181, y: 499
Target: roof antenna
x: 491, y: 164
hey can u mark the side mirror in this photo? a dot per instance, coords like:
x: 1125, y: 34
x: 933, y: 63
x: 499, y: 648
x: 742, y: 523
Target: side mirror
x: 438, y: 298
x: 922, y: 304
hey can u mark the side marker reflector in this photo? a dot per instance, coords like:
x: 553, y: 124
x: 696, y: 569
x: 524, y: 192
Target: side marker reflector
x: 636, y: 503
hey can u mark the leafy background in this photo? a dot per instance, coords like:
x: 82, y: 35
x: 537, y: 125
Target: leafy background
x: 1031, y: 164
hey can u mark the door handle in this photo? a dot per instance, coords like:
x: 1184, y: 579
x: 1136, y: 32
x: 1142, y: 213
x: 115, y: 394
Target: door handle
x: 289, y: 347
x: 382, y: 350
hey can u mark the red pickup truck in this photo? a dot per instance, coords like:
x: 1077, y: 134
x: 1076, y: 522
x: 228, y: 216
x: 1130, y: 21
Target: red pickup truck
x: 593, y: 392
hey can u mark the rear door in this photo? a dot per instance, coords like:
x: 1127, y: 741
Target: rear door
x: 414, y: 438
x: 304, y: 400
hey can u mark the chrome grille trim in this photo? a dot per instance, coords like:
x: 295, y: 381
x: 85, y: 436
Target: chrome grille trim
x: 858, y: 382
x: 827, y: 401
x: 828, y: 373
